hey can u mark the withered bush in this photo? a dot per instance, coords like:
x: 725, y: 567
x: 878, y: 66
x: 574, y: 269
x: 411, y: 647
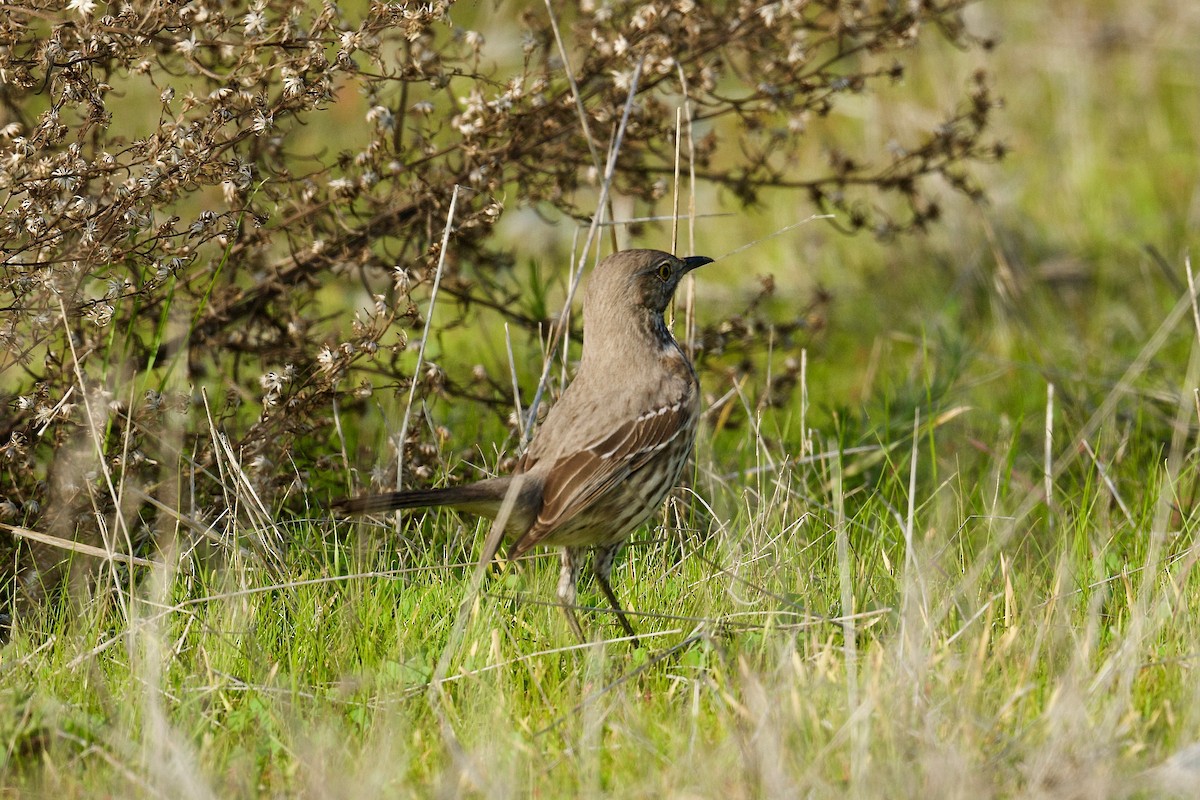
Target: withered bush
x: 181, y: 180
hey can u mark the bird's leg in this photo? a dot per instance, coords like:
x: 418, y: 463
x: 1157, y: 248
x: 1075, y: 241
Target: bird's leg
x: 568, y: 577
x: 602, y: 563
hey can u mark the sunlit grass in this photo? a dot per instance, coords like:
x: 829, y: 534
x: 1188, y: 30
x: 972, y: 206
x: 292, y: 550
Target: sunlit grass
x: 1012, y: 655
x: 1011, y: 630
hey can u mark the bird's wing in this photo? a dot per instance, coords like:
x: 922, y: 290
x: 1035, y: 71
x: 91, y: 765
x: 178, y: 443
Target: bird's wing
x: 576, y: 480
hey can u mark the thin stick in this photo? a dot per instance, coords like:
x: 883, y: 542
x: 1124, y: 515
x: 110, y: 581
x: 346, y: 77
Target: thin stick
x: 75, y: 547
x: 126, y: 438
x: 662, y: 218
x: 858, y: 748
x: 490, y: 546
x: 675, y: 184
x: 412, y: 389
x: 579, y: 109
x: 245, y: 487
x: 675, y: 222
x: 689, y: 318
x: 560, y: 329
x: 341, y: 437
x: 910, y: 556
x: 1108, y: 482
x: 98, y: 446
x: 54, y: 411
x: 575, y: 95
x: 691, y: 140
x: 1187, y: 263
x: 512, y: 370
x: 435, y: 695
x: 208, y: 531
x: 773, y: 234
x: 223, y: 479
x: 1048, y: 452
x: 805, y: 444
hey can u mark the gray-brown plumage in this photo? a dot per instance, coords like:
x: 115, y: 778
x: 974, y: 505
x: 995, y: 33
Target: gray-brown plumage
x: 614, y: 444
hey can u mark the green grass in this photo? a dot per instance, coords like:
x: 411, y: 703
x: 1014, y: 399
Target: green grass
x: 1010, y: 655
x: 796, y: 644
x: 1002, y: 654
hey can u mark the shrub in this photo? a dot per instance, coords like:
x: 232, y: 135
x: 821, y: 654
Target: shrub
x: 182, y: 180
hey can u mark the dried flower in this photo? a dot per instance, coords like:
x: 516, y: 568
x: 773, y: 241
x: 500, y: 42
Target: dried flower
x: 83, y: 8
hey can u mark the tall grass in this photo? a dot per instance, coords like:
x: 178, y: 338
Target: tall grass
x: 960, y: 566
x: 798, y: 647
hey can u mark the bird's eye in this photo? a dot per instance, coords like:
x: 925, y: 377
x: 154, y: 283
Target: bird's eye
x: 664, y: 272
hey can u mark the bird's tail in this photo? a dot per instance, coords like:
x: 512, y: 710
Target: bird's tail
x: 392, y: 501
x: 481, y: 498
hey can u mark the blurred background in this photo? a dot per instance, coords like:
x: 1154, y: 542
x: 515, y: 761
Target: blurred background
x: 908, y: 561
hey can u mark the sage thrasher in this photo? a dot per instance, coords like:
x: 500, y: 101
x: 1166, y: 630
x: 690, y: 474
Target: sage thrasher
x: 610, y: 449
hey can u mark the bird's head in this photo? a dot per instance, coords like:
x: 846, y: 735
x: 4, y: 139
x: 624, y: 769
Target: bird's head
x: 637, y: 279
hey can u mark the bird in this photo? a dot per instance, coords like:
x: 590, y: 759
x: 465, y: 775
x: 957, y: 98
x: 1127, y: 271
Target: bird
x: 612, y: 447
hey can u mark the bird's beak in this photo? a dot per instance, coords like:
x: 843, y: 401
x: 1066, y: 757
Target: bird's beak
x: 691, y: 262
